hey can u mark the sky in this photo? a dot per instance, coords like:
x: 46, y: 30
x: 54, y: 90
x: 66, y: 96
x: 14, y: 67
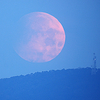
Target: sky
x: 80, y: 20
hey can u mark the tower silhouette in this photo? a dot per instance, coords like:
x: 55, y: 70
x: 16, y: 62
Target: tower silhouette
x: 94, y: 70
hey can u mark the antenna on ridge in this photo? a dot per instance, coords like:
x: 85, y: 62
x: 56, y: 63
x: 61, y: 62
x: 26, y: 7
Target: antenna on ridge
x: 94, y: 64
x: 94, y: 59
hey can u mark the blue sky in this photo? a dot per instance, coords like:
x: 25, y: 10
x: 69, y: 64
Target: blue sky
x: 80, y: 20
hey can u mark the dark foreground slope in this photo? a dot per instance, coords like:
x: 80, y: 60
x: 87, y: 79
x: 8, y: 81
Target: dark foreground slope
x: 72, y: 84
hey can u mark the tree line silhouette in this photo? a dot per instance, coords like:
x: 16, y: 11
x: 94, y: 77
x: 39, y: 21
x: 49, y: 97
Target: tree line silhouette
x: 70, y: 84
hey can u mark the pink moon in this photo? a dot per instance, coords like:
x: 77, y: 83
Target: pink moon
x: 41, y: 37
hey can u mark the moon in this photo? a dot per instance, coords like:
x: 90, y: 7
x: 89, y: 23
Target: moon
x: 40, y: 37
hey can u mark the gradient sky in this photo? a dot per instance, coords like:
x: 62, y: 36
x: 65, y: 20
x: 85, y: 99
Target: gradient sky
x: 80, y: 20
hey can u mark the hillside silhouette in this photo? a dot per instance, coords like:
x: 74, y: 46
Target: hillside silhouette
x: 70, y: 84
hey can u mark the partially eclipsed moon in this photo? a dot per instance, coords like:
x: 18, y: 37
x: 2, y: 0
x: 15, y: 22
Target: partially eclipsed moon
x: 41, y: 37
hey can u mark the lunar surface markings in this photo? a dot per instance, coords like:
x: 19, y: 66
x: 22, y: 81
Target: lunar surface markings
x: 42, y: 38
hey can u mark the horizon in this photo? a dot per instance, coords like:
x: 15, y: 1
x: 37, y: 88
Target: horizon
x: 92, y: 71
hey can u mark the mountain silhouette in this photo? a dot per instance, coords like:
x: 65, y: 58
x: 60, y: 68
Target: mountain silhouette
x: 70, y: 84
